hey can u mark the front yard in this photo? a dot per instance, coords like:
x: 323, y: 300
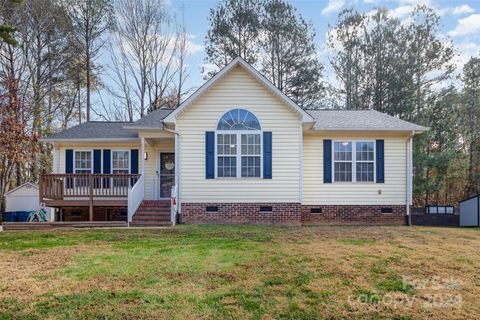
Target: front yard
x: 241, y: 273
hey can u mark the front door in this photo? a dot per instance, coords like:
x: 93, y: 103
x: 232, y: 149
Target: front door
x: 166, y: 174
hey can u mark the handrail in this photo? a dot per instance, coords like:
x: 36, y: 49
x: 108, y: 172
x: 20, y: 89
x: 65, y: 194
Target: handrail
x: 135, y: 197
x: 173, y: 207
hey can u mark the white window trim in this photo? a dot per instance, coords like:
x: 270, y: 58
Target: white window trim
x: 129, y: 159
x: 75, y: 162
x: 354, y: 160
x: 238, y: 155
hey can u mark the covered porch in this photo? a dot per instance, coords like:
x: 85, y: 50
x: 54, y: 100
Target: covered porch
x: 101, y: 196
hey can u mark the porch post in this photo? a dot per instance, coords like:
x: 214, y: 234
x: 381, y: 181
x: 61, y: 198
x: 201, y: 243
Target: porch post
x: 142, y: 139
x: 90, y: 202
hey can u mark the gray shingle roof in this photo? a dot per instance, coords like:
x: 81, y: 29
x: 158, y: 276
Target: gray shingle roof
x: 360, y: 120
x: 95, y: 130
x: 151, y: 120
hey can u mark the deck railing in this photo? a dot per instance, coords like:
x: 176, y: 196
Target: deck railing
x: 79, y: 185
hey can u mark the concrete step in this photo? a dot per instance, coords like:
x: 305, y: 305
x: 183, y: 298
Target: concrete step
x: 151, y: 218
x: 150, y: 223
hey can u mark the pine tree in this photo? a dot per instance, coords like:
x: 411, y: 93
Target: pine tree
x: 289, y: 57
x: 234, y: 31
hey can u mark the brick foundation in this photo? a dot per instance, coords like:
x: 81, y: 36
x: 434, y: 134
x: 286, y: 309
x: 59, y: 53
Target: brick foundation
x: 99, y: 214
x: 354, y: 214
x: 290, y: 214
x: 242, y: 213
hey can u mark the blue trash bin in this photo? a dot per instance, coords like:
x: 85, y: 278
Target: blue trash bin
x: 22, y: 216
x: 9, y: 217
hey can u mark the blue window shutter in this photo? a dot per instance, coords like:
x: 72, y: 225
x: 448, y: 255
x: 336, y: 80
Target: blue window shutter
x: 134, y: 161
x: 97, y: 166
x: 106, y: 166
x: 380, y: 148
x: 267, y: 155
x: 97, y: 161
x: 106, y: 160
x: 209, y: 155
x: 133, y: 164
x: 69, y: 166
x: 327, y: 161
x: 69, y: 161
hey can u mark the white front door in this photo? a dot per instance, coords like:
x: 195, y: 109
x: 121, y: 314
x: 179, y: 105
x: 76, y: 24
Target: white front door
x: 166, y: 174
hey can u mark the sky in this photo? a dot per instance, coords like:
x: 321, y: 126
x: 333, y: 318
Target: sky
x: 460, y: 20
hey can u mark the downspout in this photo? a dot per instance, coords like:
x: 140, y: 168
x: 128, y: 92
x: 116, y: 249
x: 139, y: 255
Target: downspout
x: 300, y: 195
x: 409, y: 171
x: 177, y: 165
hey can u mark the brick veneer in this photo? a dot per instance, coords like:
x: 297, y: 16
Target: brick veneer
x: 242, y: 213
x: 291, y: 214
x: 99, y: 214
x: 354, y: 214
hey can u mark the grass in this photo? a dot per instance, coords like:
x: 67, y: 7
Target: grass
x: 241, y: 272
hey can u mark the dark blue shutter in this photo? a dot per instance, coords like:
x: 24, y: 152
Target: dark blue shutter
x: 327, y: 161
x: 267, y: 155
x: 69, y: 166
x: 380, y: 148
x: 209, y: 155
x: 106, y: 166
x: 133, y: 164
x: 97, y: 166
x: 69, y: 161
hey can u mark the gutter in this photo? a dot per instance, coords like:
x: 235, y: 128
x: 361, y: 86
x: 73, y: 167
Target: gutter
x: 53, y: 140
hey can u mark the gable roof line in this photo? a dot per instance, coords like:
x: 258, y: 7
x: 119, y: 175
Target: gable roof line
x: 21, y: 186
x: 257, y: 75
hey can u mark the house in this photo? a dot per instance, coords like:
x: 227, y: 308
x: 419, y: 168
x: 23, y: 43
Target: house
x: 237, y: 150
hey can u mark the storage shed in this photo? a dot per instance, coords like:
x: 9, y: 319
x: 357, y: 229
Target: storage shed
x: 22, y: 198
x: 470, y: 212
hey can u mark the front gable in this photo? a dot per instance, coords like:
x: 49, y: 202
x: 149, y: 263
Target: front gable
x: 238, y: 89
x: 244, y: 80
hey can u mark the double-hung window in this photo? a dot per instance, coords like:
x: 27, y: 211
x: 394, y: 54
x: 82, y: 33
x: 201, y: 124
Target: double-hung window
x: 365, y: 161
x: 83, y: 164
x: 354, y: 161
x: 83, y: 161
x: 238, y: 145
x: 120, y: 165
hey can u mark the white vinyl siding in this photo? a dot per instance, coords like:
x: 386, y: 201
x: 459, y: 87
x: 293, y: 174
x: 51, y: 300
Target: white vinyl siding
x: 238, y: 89
x: 392, y: 192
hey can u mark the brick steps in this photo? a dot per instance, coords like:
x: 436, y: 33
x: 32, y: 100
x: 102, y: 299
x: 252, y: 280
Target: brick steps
x: 152, y: 213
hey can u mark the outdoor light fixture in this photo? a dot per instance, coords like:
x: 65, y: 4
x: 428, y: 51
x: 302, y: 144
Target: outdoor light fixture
x: 145, y: 156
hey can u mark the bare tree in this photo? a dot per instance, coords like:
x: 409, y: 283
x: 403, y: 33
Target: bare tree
x: 143, y: 53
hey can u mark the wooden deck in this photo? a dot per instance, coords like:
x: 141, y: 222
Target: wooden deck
x: 86, y: 190
x: 10, y: 226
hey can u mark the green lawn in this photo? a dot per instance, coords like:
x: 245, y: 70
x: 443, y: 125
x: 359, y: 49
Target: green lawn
x: 241, y: 272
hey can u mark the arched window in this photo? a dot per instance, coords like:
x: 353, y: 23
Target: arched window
x: 238, y: 119
x: 238, y: 145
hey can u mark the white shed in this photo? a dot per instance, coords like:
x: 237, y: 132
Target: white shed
x: 23, y: 198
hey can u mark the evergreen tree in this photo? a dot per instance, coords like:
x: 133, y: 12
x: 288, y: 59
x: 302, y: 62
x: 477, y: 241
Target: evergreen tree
x: 289, y: 54
x: 234, y: 31
x: 470, y: 117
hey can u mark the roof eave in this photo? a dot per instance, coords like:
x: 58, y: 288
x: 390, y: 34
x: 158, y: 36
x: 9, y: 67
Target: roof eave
x: 416, y: 131
x: 88, y: 139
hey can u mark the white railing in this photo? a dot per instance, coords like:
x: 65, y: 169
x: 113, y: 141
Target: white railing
x: 135, y: 197
x: 173, y: 206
